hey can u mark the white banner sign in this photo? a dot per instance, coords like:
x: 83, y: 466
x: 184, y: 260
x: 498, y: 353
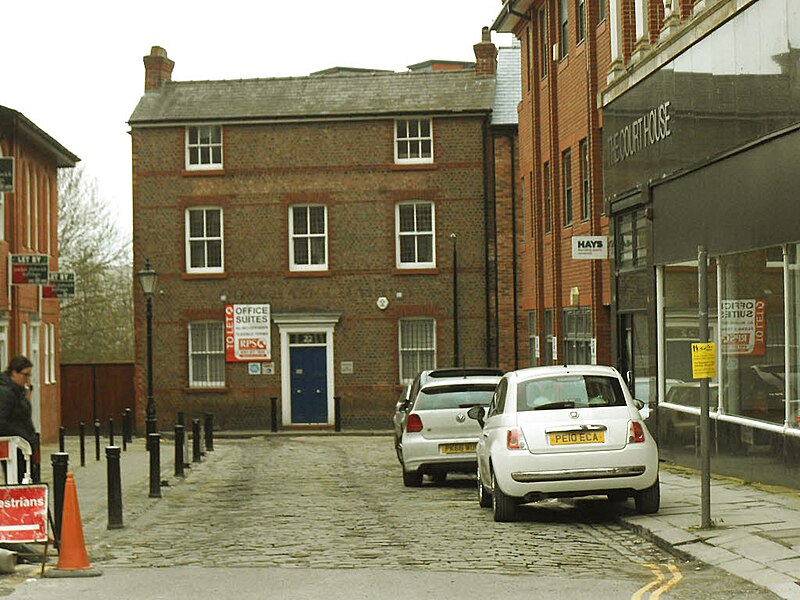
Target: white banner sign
x: 589, y: 247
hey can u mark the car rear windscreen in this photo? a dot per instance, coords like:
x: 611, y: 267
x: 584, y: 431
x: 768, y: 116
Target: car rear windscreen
x: 569, y: 391
x: 454, y: 396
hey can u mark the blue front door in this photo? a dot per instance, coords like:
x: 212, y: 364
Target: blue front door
x: 309, y: 381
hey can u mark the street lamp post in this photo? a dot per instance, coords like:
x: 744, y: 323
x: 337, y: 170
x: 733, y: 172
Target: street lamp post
x: 147, y: 279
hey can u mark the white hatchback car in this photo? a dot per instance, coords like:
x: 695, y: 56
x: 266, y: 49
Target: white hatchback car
x: 567, y: 431
x: 438, y: 438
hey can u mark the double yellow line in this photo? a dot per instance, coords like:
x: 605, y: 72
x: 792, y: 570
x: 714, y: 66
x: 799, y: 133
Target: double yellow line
x: 660, y: 584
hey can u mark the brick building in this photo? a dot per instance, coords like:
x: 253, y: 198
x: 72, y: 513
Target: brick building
x: 565, y: 59
x: 341, y: 200
x: 29, y: 323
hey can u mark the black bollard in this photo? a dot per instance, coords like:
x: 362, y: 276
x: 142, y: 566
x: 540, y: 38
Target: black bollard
x: 114, y: 482
x: 179, y: 433
x: 124, y: 433
x: 110, y: 431
x: 97, y: 439
x: 195, y: 440
x: 60, y: 462
x: 82, y: 437
x: 36, y: 460
x: 182, y: 421
x: 62, y: 434
x: 128, y: 420
x: 337, y: 413
x: 273, y: 409
x: 154, y: 445
x: 208, y: 431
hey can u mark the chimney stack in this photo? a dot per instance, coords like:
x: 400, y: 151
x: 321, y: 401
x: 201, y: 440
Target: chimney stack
x: 485, y: 54
x: 157, y: 69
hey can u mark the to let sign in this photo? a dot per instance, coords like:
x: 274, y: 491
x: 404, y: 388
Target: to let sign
x: 7, y: 174
x: 23, y: 513
x: 247, y: 333
x: 60, y: 284
x: 29, y: 268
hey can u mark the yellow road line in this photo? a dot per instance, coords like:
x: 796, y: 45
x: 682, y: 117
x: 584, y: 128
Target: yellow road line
x: 659, y: 579
x: 676, y: 577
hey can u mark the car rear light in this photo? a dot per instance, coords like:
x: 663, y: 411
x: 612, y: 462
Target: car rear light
x: 635, y: 432
x: 515, y: 440
x: 413, y: 423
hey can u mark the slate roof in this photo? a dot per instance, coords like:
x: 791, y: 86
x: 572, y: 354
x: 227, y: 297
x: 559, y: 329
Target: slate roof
x: 369, y: 94
x: 509, y: 86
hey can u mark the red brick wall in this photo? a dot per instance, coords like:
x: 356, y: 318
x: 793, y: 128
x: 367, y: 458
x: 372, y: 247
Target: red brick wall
x: 349, y: 167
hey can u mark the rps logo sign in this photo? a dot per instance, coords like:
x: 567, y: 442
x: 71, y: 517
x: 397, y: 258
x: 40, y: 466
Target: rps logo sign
x: 247, y: 333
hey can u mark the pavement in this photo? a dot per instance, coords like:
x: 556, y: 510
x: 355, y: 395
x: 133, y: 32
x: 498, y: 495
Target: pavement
x: 755, y: 531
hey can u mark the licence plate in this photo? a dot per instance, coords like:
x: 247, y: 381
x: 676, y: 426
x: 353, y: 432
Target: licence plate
x: 457, y: 448
x: 563, y: 438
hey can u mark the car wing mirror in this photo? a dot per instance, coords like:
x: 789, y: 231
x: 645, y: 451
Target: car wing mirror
x: 639, y: 403
x: 477, y: 413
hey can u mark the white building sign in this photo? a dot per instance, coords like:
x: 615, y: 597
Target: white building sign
x: 589, y: 247
x: 247, y: 333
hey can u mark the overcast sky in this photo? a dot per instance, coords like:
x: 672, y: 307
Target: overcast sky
x: 75, y: 68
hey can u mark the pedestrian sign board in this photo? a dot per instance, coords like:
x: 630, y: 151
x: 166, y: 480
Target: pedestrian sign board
x: 247, y: 333
x: 23, y: 513
x: 29, y: 268
x: 704, y: 360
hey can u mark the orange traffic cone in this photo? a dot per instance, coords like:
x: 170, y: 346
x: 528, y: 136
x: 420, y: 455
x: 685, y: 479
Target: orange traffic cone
x: 72, y: 558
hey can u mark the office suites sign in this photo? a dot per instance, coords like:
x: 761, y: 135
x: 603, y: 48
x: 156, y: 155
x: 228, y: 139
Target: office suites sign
x: 247, y: 333
x: 743, y: 326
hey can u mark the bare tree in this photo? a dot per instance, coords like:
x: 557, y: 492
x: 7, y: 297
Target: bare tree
x: 97, y: 323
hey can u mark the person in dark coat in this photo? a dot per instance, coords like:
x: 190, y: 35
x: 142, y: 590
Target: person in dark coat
x: 15, y: 407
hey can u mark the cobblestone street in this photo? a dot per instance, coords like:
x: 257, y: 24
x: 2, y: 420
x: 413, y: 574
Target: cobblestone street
x: 339, y: 502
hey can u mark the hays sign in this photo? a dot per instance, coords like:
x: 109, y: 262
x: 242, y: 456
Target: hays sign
x: 589, y: 247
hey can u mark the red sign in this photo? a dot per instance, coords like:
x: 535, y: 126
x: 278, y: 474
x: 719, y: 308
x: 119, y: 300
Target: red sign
x: 23, y: 513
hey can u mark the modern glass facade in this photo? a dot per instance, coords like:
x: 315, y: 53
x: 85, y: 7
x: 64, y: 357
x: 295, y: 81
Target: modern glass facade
x: 703, y: 152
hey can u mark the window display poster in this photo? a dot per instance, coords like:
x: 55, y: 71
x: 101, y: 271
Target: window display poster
x: 743, y: 326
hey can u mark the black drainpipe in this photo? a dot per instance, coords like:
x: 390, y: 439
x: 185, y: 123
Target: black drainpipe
x: 486, y: 271
x: 514, y: 245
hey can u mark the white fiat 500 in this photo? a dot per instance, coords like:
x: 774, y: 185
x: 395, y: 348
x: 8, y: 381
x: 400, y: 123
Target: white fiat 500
x: 566, y: 431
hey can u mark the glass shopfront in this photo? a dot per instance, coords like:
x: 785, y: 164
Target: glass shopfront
x: 703, y: 152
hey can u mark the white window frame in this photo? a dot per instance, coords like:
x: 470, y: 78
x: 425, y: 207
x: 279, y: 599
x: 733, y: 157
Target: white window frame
x: 407, y: 138
x: 416, y: 233
x: 307, y: 236
x: 401, y: 349
x: 51, y: 334
x: 203, y: 166
x: 205, y: 239
x: 209, y: 354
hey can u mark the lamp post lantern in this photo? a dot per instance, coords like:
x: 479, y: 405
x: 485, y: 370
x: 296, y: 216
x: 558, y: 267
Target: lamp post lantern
x: 147, y: 279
